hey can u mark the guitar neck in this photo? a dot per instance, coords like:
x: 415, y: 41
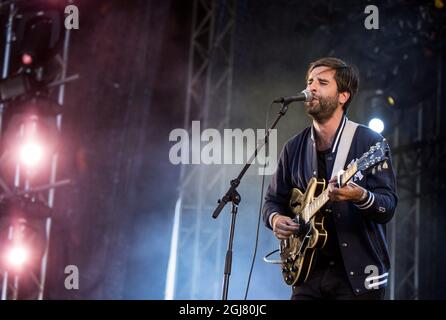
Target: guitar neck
x: 348, y: 174
x: 322, y: 199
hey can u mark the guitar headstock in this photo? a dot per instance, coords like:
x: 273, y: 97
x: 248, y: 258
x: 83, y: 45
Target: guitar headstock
x: 376, y: 154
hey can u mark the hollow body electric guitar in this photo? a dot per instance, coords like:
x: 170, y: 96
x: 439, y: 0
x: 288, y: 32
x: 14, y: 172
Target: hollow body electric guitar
x: 298, y: 250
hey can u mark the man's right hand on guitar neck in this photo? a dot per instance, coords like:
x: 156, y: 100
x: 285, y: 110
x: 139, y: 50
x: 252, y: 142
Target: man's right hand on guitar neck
x: 283, y: 226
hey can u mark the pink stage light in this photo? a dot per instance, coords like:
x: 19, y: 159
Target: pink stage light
x: 27, y: 59
x: 17, y: 256
x: 31, y: 154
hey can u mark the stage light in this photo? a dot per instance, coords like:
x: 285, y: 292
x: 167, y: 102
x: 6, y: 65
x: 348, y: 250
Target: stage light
x: 380, y: 111
x: 377, y: 125
x: 15, y: 87
x: 37, y: 39
x: 27, y: 59
x: 31, y: 154
x: 30, y: 139
x: 17, y: 256
x: 391, y: 100
x: 35, y: 46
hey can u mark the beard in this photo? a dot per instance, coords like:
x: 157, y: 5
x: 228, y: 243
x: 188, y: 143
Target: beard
x: 322, y: 109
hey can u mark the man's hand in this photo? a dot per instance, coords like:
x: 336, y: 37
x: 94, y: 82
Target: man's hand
x: 351, y: 191
x: 283, y: 226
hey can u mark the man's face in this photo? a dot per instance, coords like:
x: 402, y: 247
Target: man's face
x: 322, y: 84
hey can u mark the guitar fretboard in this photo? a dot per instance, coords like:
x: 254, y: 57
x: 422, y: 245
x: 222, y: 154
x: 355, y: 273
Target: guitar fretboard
x: 310, y: 210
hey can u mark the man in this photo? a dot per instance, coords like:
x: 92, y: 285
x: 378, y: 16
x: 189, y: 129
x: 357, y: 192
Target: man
x: 354, y: 262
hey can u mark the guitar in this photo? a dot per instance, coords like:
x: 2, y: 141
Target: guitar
x: 298, y: 250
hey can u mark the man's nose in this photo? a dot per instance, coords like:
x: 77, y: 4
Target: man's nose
x: 312, y: 87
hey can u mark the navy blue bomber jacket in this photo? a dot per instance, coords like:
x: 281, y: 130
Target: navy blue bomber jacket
x: 360, y: 227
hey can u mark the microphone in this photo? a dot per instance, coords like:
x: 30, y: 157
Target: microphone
x: 305, y: 95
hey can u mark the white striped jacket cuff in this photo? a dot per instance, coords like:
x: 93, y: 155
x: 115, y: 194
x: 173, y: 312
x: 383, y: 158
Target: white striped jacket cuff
x: 367, y: 202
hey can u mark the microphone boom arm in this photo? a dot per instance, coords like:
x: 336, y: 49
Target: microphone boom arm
x: 233, y: 196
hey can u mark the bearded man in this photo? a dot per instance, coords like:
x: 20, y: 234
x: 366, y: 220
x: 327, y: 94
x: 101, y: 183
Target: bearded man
x: 354, y: 261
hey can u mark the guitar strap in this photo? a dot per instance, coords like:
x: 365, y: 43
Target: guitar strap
x: 344, y: 147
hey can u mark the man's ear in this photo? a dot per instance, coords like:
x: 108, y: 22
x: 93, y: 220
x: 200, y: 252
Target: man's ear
x: 343, y: 97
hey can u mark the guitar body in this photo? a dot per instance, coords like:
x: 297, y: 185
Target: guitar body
x: 297, y: 252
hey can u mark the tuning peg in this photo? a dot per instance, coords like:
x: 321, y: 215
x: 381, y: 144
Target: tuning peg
x: 385, y: 166
x: 379, y: 167
x: 373, y: 170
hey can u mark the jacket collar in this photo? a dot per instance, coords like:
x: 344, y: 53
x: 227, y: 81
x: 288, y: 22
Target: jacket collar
x: 339, y: 131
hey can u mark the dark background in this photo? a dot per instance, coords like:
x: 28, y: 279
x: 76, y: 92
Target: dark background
x: 115, y: 222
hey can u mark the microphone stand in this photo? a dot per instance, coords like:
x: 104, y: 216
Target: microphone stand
x: 233, y: 196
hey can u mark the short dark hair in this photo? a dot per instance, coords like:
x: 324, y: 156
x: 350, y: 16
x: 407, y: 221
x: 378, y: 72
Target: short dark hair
x: 346, y: 76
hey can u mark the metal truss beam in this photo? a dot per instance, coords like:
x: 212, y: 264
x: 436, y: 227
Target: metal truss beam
x: 413, y: 231
x: 30, y: 282
x: 199, y: 267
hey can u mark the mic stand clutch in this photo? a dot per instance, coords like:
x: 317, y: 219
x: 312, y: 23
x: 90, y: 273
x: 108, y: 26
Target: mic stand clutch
x: 233, y: 196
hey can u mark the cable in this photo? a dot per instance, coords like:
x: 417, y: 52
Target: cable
x: 261, y: 205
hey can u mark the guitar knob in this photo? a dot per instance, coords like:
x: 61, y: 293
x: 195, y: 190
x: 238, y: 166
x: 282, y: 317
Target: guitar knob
x: 289, y: 278
x: 289, y: 260
x: 293, y: 269
x: 285, y: 270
